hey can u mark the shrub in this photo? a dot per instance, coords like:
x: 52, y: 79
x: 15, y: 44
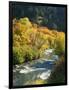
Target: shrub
x: 27, y: 52
x: 36, y: 54
x: 58, y: 74
x: 17, y: 56
x: 60, y: 43
x: 28, y: 56
x: 25, y: 21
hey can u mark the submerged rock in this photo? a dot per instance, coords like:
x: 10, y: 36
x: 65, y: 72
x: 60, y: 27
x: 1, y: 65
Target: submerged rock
x: 45, y: 75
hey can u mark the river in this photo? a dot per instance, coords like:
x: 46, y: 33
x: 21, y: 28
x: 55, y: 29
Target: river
x: 37, y: 70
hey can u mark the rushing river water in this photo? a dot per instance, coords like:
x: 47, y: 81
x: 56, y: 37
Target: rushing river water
x: 40, y: 69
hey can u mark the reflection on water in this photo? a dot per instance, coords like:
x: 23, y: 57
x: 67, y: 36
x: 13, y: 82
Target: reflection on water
x: 40, y: 69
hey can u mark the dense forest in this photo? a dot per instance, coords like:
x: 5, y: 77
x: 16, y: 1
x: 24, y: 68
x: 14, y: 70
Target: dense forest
x: 35, y: 30
x: 52, y: 17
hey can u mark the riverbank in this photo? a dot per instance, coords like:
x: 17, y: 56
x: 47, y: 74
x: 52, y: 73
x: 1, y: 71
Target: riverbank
x: 35, y: 71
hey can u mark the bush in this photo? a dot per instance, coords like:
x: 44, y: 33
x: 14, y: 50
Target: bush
x: 60, y: 43
x: 29, y: 53
x: 28, y: 56
x: 25, y: 21
x: 36, y: 54
x: 17, y: 56
x: 58, y: 74
x: 24, y: 54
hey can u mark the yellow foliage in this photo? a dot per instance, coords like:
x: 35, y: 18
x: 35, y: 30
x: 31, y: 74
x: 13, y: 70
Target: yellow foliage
x: 36, y: 82
x: 26, y: 33
x: 60, y: 43
x: 45, y: 46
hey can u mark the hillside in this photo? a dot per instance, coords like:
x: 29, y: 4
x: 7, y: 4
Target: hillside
x: 50, y: 16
